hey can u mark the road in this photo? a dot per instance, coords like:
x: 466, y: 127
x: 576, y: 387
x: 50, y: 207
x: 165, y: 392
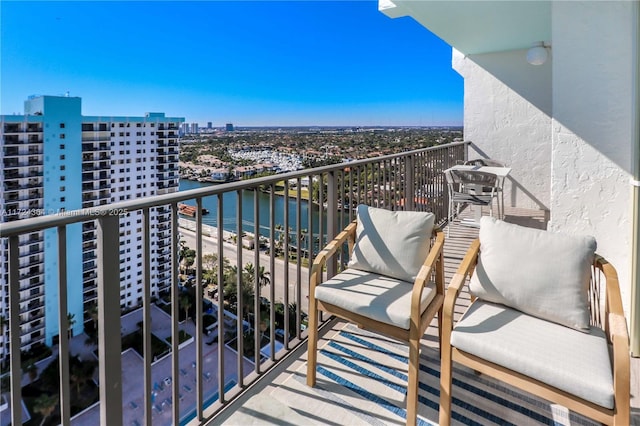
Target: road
x: 230, y: 251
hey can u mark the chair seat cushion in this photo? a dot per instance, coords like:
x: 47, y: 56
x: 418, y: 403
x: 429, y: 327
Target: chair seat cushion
x: 570, y: 360
x: 374, y: 296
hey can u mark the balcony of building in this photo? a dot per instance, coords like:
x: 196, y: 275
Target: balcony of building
x: 207, y: 380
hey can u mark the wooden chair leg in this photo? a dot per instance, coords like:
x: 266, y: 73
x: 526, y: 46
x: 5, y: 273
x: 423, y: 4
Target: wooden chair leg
x: 312, y: 343
x: 440, y: 330
x: 412, y: 387
x: 445, y: 384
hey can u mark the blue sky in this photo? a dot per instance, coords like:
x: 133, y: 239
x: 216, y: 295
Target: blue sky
x: 248, y: 63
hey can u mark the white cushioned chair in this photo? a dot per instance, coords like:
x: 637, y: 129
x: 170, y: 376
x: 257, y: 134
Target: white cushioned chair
x: 393, y: 283
x: 538, y: 321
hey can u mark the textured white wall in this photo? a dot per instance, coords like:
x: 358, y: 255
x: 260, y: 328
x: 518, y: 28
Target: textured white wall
x: 507, y: 115
x: 592, y: 126
x: 564, y: 127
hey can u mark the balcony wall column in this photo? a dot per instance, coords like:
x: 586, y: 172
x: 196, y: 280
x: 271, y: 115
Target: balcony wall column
x: 109, y: 339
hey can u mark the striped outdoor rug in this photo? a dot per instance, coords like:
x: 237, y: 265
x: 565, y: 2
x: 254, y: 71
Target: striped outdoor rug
x: 365, y: 375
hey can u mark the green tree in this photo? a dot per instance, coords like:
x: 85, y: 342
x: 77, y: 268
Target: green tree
x: 45, y: 405
x: 185, y: 303
x: 71, y: 322
x: 210, y: 267
x: 92, y: 311
x: 230, y: 290
x: 304, y: 237
x: 278, y: 245
x: 263, y: 276
x: 249, y: 275
x: 248, y: 272
x: 80, y: 372
x: 186, y: 257
x: 92, y: 332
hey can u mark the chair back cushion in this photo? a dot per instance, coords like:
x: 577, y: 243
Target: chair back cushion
x: 394, y: 244
x: 540, y: 273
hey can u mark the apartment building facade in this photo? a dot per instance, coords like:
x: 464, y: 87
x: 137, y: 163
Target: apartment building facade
x: 56, y: 160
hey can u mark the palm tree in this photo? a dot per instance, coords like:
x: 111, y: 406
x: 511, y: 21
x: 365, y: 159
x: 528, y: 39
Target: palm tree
x: 186, y: 256
x: 230, y: 289
x: 80, y: 372
x: 303, y: 239
x: 185, y: 303
x: 249, y: 272
x: 92, y: 310
x: 71, y: 322
x: 279, y: 242
x: 263, y: 277
x: 45, y: 405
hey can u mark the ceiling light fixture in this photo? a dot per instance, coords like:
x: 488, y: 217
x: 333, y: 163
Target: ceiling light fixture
x: 538, y: 54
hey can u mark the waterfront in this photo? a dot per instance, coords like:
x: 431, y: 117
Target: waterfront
x: 229, y: 210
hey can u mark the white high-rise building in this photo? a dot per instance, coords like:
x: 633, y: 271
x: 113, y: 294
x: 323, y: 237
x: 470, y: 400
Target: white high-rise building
x: 55, y: 159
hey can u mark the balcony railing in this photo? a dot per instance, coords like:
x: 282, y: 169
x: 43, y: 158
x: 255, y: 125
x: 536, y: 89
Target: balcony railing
x: 313, y: 205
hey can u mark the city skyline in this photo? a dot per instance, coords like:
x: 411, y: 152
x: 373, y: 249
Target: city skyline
x: 292, y: 63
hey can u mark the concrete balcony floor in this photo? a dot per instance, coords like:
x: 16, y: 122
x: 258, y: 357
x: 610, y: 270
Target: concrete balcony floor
x: 282, y: 397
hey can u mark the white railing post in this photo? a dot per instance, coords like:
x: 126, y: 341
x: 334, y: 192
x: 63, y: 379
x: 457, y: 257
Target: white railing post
x: 109, y: 339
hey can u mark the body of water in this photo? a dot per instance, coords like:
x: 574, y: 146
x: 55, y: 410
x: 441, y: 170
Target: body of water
x: 229, y: 210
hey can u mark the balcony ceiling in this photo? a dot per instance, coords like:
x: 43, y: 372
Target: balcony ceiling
x: 476, y: 26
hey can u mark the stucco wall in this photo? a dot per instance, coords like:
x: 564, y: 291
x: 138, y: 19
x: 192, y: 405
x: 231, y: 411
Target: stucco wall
x: 507, y: 116
x: 592, y: 126
x: 565, y: 127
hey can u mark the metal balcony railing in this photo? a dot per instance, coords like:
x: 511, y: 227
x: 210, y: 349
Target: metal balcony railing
x: 313, y: 206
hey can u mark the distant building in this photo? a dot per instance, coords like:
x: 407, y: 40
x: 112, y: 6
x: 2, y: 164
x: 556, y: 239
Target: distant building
x: 209, y: 125
x: 229, y: 127
x: 220, y: 174
x: 54, y: 159
x: 194, y: 128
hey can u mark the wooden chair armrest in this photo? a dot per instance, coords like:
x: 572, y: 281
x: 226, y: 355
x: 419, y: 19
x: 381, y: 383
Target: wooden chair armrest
x: 329, y: 250
x: 613, y: 298
x: 457, y: 282
x: 617, y: 328
x: 435, y: 254
x: 619, y: 337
